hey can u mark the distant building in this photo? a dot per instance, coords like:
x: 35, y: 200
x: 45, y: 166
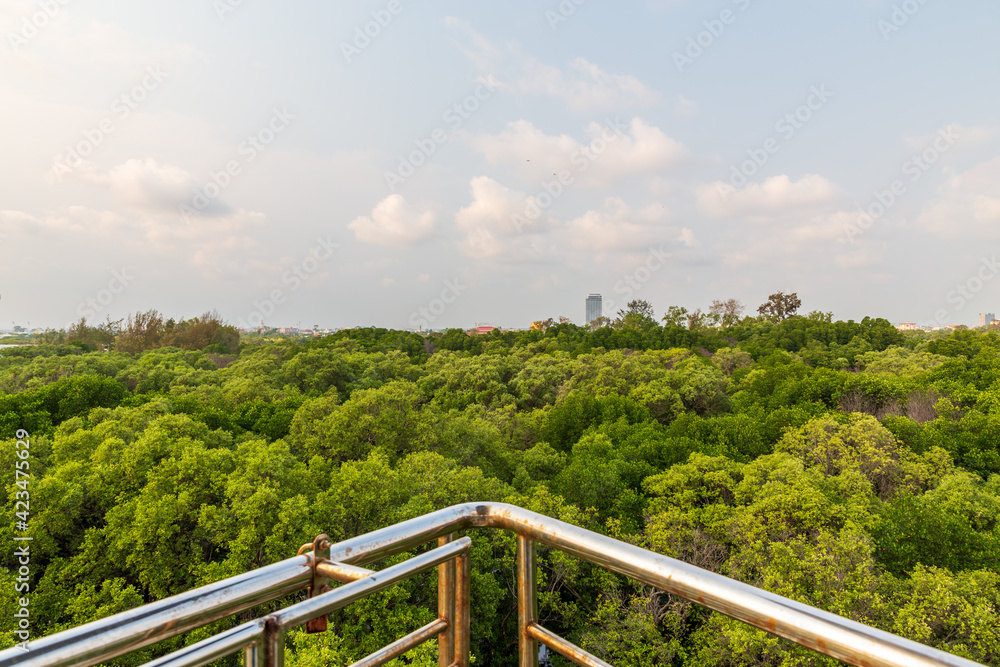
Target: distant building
x: 594, y: 308
x: 985, y: 319
x: 482, y: 330
x: 907, y: 326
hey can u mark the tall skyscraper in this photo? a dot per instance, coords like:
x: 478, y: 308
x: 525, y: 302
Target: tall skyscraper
x: 986, y: 318
x: 593, y: 308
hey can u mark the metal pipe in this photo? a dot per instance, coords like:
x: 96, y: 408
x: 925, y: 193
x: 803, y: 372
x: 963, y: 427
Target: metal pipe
x: 527, y: 602
x: 306, y: 610
x: 341, y: 572
x: 213, y: 648
x: 462, y: 610
x: 446, y: 607
x: 100, y: 641
x: 269, y: 633
x: 565, y: 648
x: 841, y: 638
x: 846, y: 640
x: 394, y: 539
x: 274, y: 642
x: 401, y: 646
x: 253, y: 655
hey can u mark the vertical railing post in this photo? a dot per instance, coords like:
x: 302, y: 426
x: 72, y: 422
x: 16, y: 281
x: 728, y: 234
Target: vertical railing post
x: 527, y: 602
x: 273, y: 644
x: 253, y: 655
x: 462, y: 610
x: 446, y: 608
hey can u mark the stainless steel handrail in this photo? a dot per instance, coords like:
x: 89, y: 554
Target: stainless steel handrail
x: 266, y: 636
x: 832, y: 635
x: 129, y: 631
x: 827, y: 633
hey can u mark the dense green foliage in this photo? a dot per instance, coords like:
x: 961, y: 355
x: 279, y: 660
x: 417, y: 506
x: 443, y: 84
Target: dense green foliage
x: 836, y: 463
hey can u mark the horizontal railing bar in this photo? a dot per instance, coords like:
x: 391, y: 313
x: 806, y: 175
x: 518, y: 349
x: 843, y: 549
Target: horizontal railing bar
x: 102, y: 640
x: 240, y: 637
x: 213, y: 648
x: 846, y: 640
x: 568, y: 650
x: 824, y: 632
x: 401, y: 646
x: 307, y: 610
x: 341, y: 572
x: 391, y: 540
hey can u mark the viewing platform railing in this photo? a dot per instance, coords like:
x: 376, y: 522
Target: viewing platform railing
x: 262, y: 640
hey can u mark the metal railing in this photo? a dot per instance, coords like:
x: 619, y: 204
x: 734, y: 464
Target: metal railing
x: 262, y: 640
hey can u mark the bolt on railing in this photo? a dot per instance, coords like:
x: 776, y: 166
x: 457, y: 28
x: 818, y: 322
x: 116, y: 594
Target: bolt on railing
x: 262, y: 640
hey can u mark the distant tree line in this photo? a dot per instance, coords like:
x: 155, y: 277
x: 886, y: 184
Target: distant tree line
x: 845, y: 465
x: 147, y: 331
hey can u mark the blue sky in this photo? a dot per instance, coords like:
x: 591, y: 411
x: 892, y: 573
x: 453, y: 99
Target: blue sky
x: 255, y: 158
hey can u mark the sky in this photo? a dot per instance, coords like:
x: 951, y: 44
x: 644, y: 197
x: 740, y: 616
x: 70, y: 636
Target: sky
x: 437, y: 164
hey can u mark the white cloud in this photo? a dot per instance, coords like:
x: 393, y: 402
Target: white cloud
x: 224, y: 246
x: 582, y: 85
x: 687, y: 237
x: 151, y: 187
x: 220, y: 245
x: 617, y: 227
x: 484, y: 243
x: 824, y: 228
x: 494, y: 207
x: 394, y: 222
x: 809, y: 243
x: 489, y: 226
x: 521, y: 142
x: 967, y: 205
x: 776, y: 198
x: 685, y: 107
x: 223, y: 231
x: 614, y: 233
x: 607, y: 154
